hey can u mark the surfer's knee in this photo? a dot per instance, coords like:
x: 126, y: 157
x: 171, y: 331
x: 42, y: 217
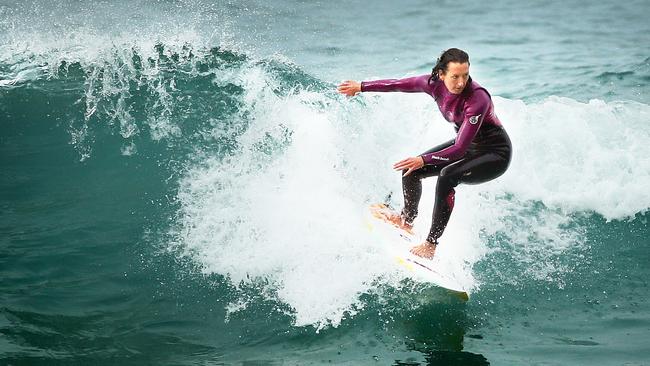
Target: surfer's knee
x: 413, y: 178
x: 447, y: 180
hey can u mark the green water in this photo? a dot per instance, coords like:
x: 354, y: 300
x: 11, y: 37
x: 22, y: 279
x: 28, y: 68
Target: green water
x: 166, y: 185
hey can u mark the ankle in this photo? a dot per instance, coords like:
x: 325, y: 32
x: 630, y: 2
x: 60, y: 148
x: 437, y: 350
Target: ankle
x: 431, y: 243
x: 406, y: 223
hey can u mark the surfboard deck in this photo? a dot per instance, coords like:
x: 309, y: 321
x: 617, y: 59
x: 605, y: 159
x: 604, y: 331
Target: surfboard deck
x: 398, y: 245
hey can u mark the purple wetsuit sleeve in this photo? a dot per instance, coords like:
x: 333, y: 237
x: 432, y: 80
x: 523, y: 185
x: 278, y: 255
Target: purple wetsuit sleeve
x: 475, y: 109
x: 413, y: 84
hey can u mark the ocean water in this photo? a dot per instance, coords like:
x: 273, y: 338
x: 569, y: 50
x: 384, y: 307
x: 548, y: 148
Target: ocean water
x: 182, y: 185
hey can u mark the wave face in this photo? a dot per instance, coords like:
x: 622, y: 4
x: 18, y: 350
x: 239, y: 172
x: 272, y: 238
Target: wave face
x: 173, y: 191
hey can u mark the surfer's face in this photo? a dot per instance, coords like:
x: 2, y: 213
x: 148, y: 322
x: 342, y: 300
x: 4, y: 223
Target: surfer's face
x: 456, y: 77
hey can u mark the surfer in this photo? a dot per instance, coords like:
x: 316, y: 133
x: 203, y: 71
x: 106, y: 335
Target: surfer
x: 480, y: 152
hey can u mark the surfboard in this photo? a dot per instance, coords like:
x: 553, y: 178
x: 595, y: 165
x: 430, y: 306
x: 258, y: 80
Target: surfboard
x: 398, y: 243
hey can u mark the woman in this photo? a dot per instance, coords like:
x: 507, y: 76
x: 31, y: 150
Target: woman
x: 480, y: 152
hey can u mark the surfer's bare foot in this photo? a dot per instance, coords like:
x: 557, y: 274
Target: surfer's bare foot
x: 383, y: 212
x: 397, y: 220
x: 424, y: 250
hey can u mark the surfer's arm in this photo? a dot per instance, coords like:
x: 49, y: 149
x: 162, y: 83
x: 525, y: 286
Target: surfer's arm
x: 415, y: 84
x: 475, y: 110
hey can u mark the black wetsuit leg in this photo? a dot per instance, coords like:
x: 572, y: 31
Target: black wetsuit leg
x: 473, y: 169
x: 412, y: 184
x: 486, y: 160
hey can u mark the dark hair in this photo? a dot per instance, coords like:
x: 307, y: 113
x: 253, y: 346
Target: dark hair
x: 450, y: 55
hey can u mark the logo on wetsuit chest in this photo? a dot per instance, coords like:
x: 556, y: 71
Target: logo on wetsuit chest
x: 474, y: 120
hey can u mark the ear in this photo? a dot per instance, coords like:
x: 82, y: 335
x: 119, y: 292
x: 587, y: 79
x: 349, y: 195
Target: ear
x: 441, y: 73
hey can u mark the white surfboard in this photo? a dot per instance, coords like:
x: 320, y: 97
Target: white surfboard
x: 398, y: 245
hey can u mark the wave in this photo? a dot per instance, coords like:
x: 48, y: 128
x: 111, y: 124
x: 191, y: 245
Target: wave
x: 277, y: 169
x: 167, y: 93
x: 286, y: 207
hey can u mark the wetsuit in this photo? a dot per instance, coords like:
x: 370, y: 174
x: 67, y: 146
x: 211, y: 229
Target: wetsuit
x: 480, y: 152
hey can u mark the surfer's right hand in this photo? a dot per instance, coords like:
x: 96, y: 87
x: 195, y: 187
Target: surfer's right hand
x: 349, y: 88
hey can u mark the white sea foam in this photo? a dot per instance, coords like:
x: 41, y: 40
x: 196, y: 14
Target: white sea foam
x: 294, y: 217
x: 577, y: 156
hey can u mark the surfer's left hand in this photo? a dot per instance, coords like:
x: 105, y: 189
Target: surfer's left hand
x: 409, y: 164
